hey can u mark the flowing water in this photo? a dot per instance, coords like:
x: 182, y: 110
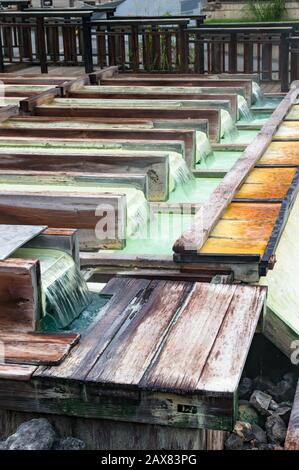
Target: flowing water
x: 228, y: 127
x: 257, y: 94
x: 244, y: 110
x: 203, y: 146
x: 220, y: 160
x: 64, y: 291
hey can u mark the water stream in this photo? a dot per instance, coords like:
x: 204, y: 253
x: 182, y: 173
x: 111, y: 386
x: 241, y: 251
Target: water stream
x: 244, y: 110
x: 64, y: 291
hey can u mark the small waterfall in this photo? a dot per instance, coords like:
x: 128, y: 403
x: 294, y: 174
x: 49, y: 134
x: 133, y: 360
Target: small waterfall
x: 258, y: 96
x: 203, y: 146
x: 64, y: 291
x: 244, y: 110
x: 227, y: 126
x: 179, y: 171
x: 137, y: 212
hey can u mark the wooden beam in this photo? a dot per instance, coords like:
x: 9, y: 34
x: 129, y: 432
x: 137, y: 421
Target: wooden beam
x: 20, y: 295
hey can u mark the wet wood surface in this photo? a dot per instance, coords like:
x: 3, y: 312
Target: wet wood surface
x: 154, y: 348
x: 14, y: 236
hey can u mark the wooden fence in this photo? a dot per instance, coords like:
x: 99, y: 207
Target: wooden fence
x: 175, y: 44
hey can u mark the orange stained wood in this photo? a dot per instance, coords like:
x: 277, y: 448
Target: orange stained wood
x: 251, y: 230
x: 251, y: 211
x: 271, y: 175
x: 284, y: 153
x: 262, y: 191
x: 233, y: 246
x: 288, y: 130
x: 294, y: 113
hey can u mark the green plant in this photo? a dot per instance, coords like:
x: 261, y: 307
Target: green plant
x: 266, y: 10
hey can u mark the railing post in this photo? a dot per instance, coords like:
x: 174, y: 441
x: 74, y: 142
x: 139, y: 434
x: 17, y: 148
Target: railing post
x: 135, y: 48
x: 183, y: 51
x: 87, y: 44
x: 284, y: 62
x: 267, y: 61
x: 1, y: 54
x: 41, y: 43
x: 248, y: 55
x: 233, y: 53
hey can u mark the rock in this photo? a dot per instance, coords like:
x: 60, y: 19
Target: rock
x: 250, y: 433
x: 36, y: 434
x: 244, y: 431
x: 292, y: 378
x: 259, y: 434
x: 262, y: 383
x: 276, y: 429
x: 3, y: 445
x: 283, y: 391
x: 284, y: 411
x: 245, y: 388
x: 273, y: 405
x: 247, y: 413
x: 260, y: 401
x: 69, y: 443
x: 269, y: 447
x: 233, y: 442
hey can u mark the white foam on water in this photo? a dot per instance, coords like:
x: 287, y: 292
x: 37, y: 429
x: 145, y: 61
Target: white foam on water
x: 244, y: 110
x: 258, y: 96
x: 227, y: 126
x: 203, y: 146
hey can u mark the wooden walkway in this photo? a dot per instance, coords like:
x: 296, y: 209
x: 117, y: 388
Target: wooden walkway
x: 160, y: 352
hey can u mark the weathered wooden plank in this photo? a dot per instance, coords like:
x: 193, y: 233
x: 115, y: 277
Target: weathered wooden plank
x: 221, y: 373
x: 241, y: 229
x: 183, y: 355
x: 29, y: 104
x: 212, y: 115
x: 281, y: 153
x: 288, y: 130
x: 16, y: 372
x: 271, y: 176
x: 233, y: 246
x: 151, y: 135
x: 20, y: 293
x: 127, y: 295
x: 292, y: 439
x: 277, y: 190
x: 123, y: 80
x: 14, y: 236
x: 132, y: 349
x: 69, y: 210
x: 154, y: 165
x: 251, y: 211
x: 36, y: 349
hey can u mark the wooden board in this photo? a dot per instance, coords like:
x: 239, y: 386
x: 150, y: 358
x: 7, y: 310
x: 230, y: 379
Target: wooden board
x: 292, y: 439
x: 69, y: 210
x: 14, y: 236
x: 281, y: 153
x: 153, y: 354
x: 36, y: 348
x: 187, y: 137
x: 20, y: 295
x: 287, y: 131
x: 154, y: 165
x: 16, y: 372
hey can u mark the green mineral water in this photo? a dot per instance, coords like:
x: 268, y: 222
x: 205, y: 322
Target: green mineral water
x: 64, y: 291
x: 222, y: 160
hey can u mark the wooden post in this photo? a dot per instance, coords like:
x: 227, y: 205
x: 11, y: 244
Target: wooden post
x: 135, y: 48
x: 40, y: 33
x: 248, y: 56
x: 233, y: 49
x: 284, y: 62
x: 294, y: 60
x: 1, y: 54
x: 183, y: 54
x: 87, y: 45
x: 267, y: 61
